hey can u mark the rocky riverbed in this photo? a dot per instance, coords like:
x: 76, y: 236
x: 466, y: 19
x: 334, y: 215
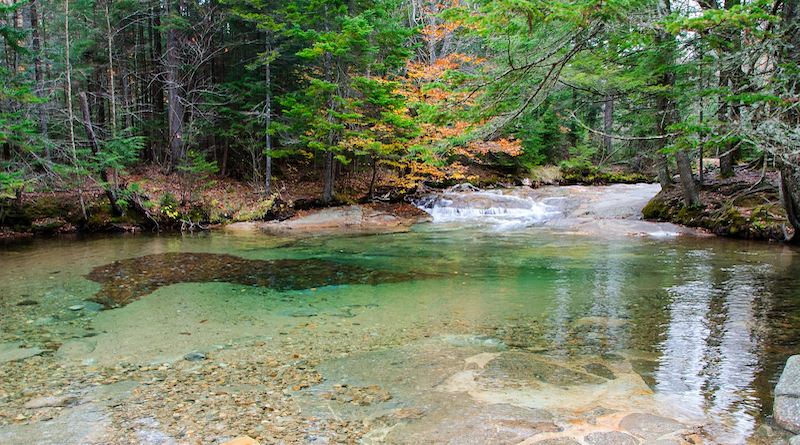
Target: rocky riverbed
x: 323, y: 380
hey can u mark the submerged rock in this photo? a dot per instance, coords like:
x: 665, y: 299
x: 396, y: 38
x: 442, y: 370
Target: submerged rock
x: 51, y: 401
x: 195, y: 357
x: 125, y: 281
x: 650, y: 426
x: 611, y: 438
x: 528, y: 370
x: 10, y: 352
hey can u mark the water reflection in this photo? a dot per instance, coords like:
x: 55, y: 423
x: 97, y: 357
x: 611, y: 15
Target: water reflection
x: 710, y: 351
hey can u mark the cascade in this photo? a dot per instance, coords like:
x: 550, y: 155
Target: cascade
x: 468, y: 203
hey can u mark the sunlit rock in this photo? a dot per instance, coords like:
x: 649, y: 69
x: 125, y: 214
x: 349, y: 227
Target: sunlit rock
x: 355, y: 217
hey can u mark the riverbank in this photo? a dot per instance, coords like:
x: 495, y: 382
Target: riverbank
x: 746, y: 206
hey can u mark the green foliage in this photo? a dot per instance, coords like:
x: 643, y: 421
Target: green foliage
x: 121, y: 152
x: 194, y: 169
x: 542, y: 137
x: 11, y: 183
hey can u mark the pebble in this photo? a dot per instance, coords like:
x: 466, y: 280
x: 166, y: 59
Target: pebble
x: 27, y: 303
x: 195, y: 357
x: 245, y: 440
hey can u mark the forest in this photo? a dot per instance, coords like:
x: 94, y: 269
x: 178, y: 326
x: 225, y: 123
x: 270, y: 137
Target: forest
x: 402, y: 92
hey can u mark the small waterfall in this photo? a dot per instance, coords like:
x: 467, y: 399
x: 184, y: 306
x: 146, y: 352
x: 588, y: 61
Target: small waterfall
x: 467, y: 203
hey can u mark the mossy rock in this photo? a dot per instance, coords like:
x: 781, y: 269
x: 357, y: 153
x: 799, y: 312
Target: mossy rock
x: 657, y: 209
x: 720, y: 217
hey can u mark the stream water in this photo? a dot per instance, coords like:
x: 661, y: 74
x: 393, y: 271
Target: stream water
x: 533, y: 315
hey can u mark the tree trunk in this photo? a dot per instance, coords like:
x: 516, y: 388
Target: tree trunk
x: 433, y: 32
x: 174, y: 105
x: 374, y: 164
x: 730, y: 80
x: 268, y: 112
x: 790, y: 196
x: 668, y: 115
x: 70, y: 114
x: 156, y: 86
x: 111, y: 68
x: 329, y: 174
x: 608, y: 122
x: 327, y: 189
x: 108, y: 186
x: 36, y: 47
x: 662, y: 166
x: 688, y: 185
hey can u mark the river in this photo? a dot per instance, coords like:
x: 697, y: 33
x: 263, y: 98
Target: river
x: 557, y: 324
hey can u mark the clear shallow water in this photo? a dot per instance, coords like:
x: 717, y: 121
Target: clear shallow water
x: 705, y: 323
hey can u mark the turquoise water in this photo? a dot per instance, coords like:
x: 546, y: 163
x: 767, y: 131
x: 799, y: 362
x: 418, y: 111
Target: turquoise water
x: 707, y: 323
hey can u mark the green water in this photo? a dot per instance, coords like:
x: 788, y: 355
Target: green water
x: 707, y: 323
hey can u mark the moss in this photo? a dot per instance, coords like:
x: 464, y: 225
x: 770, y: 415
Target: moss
x: 657, y: 209
x: 582, y: 173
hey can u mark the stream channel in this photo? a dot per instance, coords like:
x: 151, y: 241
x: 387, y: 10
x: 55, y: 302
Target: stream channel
x: 550, y: 316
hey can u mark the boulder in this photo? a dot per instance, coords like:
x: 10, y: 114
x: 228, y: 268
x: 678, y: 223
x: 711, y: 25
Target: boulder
x: 355, y: 217
x: 787, y: 396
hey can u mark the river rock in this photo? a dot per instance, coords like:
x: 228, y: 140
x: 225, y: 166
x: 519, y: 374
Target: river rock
x: 51, y: 401
x: 650, y: 426
x: 611, y: 438
x: 794, y: 440
x: 10, y: 352
x: 195, y: 357
x: 787, y: 396
x: 789, y: 383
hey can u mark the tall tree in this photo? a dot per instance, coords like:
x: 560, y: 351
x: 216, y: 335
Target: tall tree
x: 341, y: 48
x: 175, y: 93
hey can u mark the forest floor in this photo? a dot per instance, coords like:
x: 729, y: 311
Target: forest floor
x: 745, y: 206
